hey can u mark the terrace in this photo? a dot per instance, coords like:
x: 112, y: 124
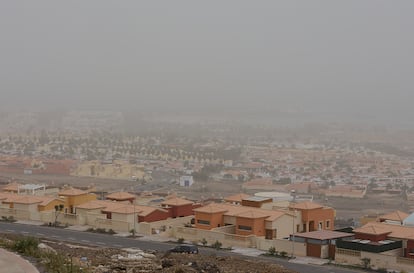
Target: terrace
x: 367, y: 245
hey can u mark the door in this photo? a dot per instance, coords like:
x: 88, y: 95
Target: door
x: 313, y: 250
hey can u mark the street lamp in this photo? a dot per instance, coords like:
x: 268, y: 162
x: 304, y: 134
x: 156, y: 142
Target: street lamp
x: 133, y: 231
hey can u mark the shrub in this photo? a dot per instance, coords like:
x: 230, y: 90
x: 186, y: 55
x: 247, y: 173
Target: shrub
x: 272, y: 250
x: 204, y: 242
x: 283, y: 254
x: 366, y: 263
x: 8, y: 219
x: 180, y: 240
x: 111, y: 231
x: 27, y: 246
x: 217, y: 245
x: 100, y: 230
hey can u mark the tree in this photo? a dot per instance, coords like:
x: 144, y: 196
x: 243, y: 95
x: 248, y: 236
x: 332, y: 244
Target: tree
x: 58, y: 210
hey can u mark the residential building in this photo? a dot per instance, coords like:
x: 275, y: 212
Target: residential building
x: 320, y: 243
x: 186, y: 181
x: 178, y: 207
x: 236, y: 199
x: 121, y: 196
x: 395, y: 217
x: 74, y: 197
x: 245, y: 220
x: 314, y: 216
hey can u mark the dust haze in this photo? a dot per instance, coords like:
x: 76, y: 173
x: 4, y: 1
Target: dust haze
x: 318, y: 60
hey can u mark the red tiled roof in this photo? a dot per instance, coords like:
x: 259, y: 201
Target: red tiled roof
x: 236, y: 198
x: 72, y: 192
x: 307, y: 205
x: 177, y: 202
x: 120, y: 196
x: 241, y: 211
x: 395, y: 216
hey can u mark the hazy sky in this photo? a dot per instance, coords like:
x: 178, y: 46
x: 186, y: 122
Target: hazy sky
x: 323, y: 56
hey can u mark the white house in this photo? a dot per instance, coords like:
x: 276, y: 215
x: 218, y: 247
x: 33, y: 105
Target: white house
x: 186, y: 181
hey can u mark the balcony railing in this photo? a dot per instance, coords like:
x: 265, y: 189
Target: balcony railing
x: 368, y: 246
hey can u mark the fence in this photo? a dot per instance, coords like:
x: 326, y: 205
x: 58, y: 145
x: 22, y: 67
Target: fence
x: 211, y: 236
x: 15, y: 213
x: 345, y: 244
x: 298, y: 249
x: 389, y: 260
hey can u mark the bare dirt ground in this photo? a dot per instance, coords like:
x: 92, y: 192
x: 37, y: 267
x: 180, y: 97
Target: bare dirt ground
x: 372, y: 204
x: 109, y: 260
x: 61, y: 180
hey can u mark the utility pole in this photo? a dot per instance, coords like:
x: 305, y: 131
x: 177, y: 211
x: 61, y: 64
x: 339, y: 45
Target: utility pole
x: 293, y: 234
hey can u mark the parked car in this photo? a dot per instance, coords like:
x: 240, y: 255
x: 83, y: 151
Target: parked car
x: 190, y: 249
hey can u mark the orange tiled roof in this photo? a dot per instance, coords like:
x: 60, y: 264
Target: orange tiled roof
x: 253, y: 214
x: 8, y: 197
x: 72, y: 192
x: 12, y: 187
x: 146, y: 210
x: 211, y: 208
x: 176, y: 201
x: 120, y: 196
x: 116, y: 207
x: 26, y: 199
x: 395, y: 231
x: 241, y: 211
x: 94, y: 204
x: 374, y: 229
x: 306, y: 205
x: 395, y: 216
x: 126, y: 209
x: 236, y: 198
x: 275, y: 215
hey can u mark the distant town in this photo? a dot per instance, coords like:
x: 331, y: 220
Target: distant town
x: 298, y: 192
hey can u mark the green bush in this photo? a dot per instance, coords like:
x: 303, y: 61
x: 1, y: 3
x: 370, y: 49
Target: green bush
x: 180, y: 240
x: 283, y: 254
x: 27, y: 246
x: 100, y: 230
x: 217, y: 245
x: 272, y: 251
x: 204, y: 242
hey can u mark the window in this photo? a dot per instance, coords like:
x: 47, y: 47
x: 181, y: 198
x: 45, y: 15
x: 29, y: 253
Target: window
x: 245, y: 228
x: 297, y: 228
x: 203, y: 222
x: 328, y: 224
x: 320, y: 226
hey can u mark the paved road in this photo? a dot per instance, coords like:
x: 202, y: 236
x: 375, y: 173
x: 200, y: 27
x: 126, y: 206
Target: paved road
x: 12, y: 263
x: 104, y: 240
